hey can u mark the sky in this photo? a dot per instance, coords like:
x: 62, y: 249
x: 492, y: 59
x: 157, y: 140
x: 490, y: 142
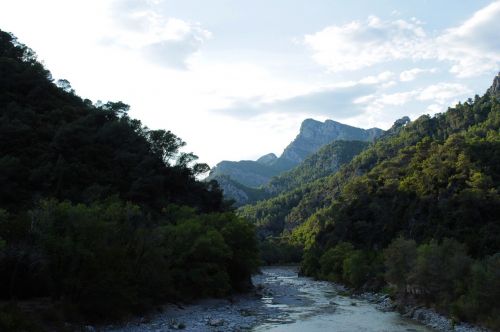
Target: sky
x: 235, y: 79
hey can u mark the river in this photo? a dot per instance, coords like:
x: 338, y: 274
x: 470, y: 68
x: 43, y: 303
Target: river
x: 308, y: 305
x: 283, y: 301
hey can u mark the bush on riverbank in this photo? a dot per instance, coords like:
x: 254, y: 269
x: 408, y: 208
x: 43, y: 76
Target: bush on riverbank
x: 483, y: 292
x: 440, y: 275
x: 275, y: 251
x: 345, y: 264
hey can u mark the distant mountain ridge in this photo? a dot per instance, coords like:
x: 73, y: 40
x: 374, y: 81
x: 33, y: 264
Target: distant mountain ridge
x: 315, y: 134
x: 312, y: 136
x: 267, y: 159
x: 328, y: 160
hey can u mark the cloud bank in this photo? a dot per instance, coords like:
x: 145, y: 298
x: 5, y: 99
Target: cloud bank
x: 471, y: 48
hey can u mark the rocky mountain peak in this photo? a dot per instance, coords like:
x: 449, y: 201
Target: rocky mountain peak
x: 311, y: 127
x: 267, y: 159
x: 315, y: 134
x: 495, y: 87
x: 402, y: 122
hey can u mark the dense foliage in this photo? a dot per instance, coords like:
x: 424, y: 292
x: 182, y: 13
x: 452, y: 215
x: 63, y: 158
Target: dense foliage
x: 98, y: 212
x: 438, y: 178
x: 109, y: 257
x: 325, y: 161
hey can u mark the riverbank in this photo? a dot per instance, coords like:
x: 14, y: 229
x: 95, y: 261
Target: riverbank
x: 242, y: 312
x: 421, y: 314
x: 239, y: 313
x: 281, y: 301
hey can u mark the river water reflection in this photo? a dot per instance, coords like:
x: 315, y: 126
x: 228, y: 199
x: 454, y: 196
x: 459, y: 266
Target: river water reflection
x: 307, y: 305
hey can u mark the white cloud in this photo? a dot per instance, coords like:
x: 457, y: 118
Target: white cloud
x: 435, y: 108
x: 441, y: 96
x: 361, y: 44
x: 411, y: 74
x: 472, y: 48
x: 337, y: 102
x: 365, y: 99
x: 143, y: 26
x: 398, y: 98
x: 443, y: 93
x: 388, y: 84
x: 382, y: 77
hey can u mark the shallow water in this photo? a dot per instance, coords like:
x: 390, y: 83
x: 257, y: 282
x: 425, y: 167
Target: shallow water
x: 283, y: 302
x: 304, y: 304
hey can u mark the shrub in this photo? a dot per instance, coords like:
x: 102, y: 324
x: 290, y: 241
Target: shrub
x: 399, y: 259
x: 480, y: 302
x: 332, y: 261
x: 356, y: 269
x: 441, y: 270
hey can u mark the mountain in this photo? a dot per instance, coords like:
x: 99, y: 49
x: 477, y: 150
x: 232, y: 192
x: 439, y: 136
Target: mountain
x: 326, y: 161
x: 246, y: 172
x: 312, y: 136
x: 417, y: 212
x: 239, y: 193
x: 315, y: 134
x: 267, y: 159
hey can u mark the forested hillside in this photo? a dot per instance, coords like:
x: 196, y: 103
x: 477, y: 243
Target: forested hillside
x: 428, y: 192
x: 427, y: 172
x: 97, y: 212
x: 326, y: 161
x: 285, y: 191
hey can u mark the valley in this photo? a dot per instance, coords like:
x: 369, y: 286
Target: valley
x: 107, y: 224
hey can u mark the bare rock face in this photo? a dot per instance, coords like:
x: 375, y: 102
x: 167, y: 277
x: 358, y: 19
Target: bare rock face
x: 315, y: 134
x: 267, y: 159
x: 495, y: 87
x: 231, y: 190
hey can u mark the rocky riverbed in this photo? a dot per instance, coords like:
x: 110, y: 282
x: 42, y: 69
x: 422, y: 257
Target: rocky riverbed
x: 283, y: 301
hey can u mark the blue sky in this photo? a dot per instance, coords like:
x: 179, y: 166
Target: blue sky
x: 236, y: 78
